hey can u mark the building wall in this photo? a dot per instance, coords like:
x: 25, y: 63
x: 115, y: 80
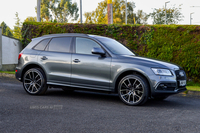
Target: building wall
x: 0, y: 48
x: 10, y: 50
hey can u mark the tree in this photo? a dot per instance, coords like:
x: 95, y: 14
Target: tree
x: 31, y: 19
x: 6, y: 30
x: 17, y: 27
x: 173, y: 15
x: 59, y: 10
x: 99, y: 16
x: 141, y: 17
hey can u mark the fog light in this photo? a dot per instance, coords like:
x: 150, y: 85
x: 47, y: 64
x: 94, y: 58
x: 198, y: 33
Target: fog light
x: 163, y: 86
x: 166, y: 86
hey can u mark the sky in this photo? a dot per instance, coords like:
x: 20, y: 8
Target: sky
x: 26, y: 8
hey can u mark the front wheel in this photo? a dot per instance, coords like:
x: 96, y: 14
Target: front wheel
x: 133, y: 90
x: 34, y: 81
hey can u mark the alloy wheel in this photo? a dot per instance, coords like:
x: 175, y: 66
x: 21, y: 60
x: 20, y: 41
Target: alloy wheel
x: 33, y: 81
x: 131, y: 90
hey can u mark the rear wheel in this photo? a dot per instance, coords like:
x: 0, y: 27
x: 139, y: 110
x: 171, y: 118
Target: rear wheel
x: 133, y: 90
x: 34, y: 81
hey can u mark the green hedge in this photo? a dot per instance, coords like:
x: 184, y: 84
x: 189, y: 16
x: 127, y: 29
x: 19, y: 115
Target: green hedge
x: 179, y: 44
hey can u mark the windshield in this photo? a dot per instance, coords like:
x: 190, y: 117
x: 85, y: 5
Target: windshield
x: 115, y: 47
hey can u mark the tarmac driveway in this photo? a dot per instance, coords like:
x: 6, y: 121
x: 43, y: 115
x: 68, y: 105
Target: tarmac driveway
x: 88, y: 112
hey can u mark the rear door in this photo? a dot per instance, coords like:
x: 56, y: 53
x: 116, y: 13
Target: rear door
x: 88, y: 70
x: 56, y: 59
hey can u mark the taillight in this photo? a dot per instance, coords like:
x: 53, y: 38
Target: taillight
x: 20, y: 54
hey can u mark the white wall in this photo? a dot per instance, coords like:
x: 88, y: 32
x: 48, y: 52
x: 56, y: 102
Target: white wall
x: 10, y: 50
x: 0, y: 48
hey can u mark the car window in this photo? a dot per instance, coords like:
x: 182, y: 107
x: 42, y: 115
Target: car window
x: 115, y: 47
x: 60, y: 44
x: 85, y: 46
x: 41, y: 45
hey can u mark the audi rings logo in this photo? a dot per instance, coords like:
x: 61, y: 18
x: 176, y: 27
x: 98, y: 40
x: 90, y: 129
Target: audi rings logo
x: 181, y: 74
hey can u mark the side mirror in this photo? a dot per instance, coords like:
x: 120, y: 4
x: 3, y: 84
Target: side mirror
x: 99, y: 51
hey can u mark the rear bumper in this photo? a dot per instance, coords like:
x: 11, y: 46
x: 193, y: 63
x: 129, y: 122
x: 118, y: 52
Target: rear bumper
x: 18, y: 74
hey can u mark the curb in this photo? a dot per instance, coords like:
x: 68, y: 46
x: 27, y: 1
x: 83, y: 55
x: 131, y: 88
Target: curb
x: 193, y: 93
x: 7, y: 75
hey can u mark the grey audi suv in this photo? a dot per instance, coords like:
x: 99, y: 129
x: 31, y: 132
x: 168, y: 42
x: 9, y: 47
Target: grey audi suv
x: 94, y: 62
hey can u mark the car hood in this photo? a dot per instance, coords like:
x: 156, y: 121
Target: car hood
x: 150, y: 62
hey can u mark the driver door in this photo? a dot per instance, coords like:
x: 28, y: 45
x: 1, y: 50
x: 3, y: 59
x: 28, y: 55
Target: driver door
x: 89, y: 70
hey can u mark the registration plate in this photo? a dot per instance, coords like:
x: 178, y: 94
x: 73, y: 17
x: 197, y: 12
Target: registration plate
x: 182, y: 83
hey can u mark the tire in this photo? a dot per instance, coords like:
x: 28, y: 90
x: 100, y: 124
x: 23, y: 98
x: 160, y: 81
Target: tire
x: 34, y: 81
x: 133, y: 90
x: 160, y: 98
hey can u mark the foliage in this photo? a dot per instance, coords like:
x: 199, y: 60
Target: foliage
x: 179, y: 44
x: 173, y: 15
x: 31, y: 19
x: 192, y: 83
x: 6, y: 30
x: 99, y: 16
x: 141, y: 17
x: 17, y: 27
x: 58, y: 10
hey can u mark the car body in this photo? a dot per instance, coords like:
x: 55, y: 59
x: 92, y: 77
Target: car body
x: 96, y: 63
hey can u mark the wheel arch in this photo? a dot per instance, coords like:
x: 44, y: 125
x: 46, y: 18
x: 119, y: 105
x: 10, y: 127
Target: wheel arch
x: 127, y: 72
x: 29, y: 66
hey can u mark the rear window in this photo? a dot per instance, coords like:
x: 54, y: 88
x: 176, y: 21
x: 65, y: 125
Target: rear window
x: 41, y: 45
x: 60, y: 44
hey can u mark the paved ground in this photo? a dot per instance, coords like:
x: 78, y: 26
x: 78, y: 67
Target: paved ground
x: 88, y: 112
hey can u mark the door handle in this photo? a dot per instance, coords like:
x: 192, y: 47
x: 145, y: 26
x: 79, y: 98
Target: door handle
x: 76, y: 61
x: 44, y: 58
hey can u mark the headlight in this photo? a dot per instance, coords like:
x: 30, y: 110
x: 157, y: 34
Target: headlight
x: 158, y: 71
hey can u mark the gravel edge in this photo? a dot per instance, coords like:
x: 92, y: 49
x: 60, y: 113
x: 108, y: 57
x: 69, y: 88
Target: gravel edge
x: 7, y: 75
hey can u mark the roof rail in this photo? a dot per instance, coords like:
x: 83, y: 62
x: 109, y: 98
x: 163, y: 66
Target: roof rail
x: 65, y: 34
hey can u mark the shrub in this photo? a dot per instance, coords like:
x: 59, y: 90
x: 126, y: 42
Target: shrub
x: 179, y: 44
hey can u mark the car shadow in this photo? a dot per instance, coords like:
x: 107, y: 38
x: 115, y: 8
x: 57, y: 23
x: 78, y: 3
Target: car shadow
x: 104, y: 97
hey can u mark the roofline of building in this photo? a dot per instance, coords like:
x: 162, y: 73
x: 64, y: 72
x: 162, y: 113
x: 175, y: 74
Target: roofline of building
x: 11, y: 37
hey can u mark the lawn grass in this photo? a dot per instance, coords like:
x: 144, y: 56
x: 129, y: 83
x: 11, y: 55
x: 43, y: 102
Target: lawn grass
x: 193, y: 88
x: 9, y: 72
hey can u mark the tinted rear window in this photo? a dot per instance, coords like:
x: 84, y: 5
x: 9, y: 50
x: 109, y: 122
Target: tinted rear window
x: 41, y: 45
x: 60, y: 44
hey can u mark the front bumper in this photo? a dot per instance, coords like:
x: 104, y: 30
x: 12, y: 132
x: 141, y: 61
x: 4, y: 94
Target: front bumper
x: 170, y: 85
x: 168, y: 93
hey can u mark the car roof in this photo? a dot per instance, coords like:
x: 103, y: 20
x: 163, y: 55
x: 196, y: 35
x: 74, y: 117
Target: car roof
x: 60, y: 35
x: 68, y: 34
x: 65, y: 34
